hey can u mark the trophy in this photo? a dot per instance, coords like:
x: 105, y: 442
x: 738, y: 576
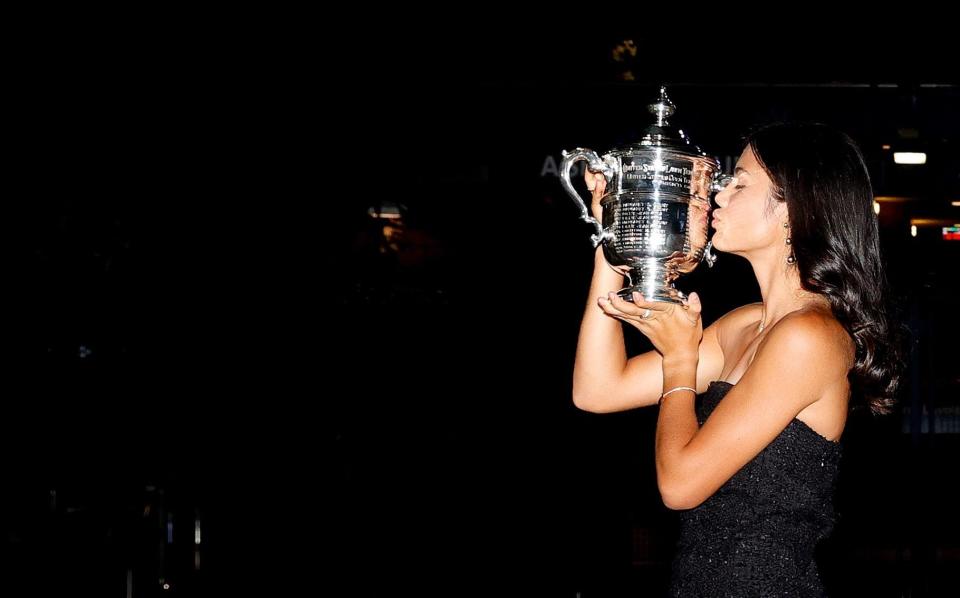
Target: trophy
x: 655, y: 208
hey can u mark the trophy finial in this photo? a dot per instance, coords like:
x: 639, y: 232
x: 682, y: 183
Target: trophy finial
x: 663, y: 108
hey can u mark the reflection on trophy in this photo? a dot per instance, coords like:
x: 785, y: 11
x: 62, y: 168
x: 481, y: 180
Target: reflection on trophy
x: 656, y: 205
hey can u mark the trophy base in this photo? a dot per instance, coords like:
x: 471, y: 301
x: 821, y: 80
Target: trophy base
x: 671, y: 295
x: 652, y: 280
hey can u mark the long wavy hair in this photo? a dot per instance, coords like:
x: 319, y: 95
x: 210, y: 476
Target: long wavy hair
x: 820, y: 172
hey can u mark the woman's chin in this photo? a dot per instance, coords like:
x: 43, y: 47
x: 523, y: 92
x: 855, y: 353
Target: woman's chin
x: 720, y: 246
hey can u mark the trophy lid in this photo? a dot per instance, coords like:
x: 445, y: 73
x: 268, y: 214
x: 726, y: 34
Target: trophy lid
x: 661, y: 133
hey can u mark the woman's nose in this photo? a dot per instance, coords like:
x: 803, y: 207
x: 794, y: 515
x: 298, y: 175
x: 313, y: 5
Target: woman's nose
x: 721, y: 197
x: 727, y: 183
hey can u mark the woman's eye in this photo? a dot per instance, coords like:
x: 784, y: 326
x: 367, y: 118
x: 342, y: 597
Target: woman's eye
x: 739, y: 186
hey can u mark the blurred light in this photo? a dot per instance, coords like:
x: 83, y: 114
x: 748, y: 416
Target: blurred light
x: 955, y: 204
x: 910, y: 157
x: 933, y: 222
x: 876, y: 207
x: 886, y: 146
x: 196, y: 531
x: 913, y: 230
x: 627, y: 47
x: 386, y: 209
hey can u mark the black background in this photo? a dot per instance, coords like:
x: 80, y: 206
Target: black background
x: 197, y: 306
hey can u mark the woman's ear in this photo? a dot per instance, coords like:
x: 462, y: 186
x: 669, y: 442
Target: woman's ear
x: 780, y: 211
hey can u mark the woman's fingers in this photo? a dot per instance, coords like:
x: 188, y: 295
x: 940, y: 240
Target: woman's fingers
x: 616, y: 307
x: 596, y: 182
x: 635, y: 309
x: 597, y: 185
x: 600, y: 186
x: 640, y: 305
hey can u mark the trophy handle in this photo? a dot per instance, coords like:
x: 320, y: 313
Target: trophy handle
x: 596, y: 165
x: 708, y: 257
x: 720, y: 181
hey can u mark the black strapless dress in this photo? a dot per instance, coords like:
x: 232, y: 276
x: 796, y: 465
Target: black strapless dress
x: 757, y: 534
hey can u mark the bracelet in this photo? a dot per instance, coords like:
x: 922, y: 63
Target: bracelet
x: 677, y: 388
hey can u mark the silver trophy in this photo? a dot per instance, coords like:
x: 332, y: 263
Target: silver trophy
x: 656, y: 206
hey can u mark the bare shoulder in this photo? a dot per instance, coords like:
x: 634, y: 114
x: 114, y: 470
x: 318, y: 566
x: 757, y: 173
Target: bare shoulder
x: 817, y: 329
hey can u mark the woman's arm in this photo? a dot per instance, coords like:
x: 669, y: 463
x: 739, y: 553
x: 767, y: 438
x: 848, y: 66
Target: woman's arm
x: 604, y: 380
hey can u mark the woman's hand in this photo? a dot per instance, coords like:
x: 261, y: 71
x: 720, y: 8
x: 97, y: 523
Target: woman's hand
x: 596, y: 183
x: 675, y: 330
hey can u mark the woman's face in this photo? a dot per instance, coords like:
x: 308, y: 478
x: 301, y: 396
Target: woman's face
x: 744, y: 222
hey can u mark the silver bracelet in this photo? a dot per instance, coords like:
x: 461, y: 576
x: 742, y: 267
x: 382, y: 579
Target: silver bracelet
x: 694, y: 390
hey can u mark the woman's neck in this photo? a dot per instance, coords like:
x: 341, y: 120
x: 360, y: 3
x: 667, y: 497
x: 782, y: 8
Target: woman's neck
x: 781, y: 293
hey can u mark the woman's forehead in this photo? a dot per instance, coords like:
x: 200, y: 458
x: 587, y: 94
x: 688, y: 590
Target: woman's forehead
x: 747, y: 161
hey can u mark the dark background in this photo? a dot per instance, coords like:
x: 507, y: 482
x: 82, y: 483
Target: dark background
x: 208, y: 324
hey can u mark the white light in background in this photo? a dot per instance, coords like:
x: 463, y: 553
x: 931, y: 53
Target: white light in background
x: 910, y: 157
x: 876, y: 207
x: 913, y: 230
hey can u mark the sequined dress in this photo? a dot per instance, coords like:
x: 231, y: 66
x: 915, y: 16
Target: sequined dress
x: 756, y: 535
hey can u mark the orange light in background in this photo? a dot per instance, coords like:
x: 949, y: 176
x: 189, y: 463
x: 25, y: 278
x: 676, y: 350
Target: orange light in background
x: 934, y: 222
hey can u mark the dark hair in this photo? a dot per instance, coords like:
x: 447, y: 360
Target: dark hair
x: 820, y: 172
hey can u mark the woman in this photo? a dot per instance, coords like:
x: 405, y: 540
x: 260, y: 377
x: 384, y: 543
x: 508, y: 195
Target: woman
x: 753, y: 407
